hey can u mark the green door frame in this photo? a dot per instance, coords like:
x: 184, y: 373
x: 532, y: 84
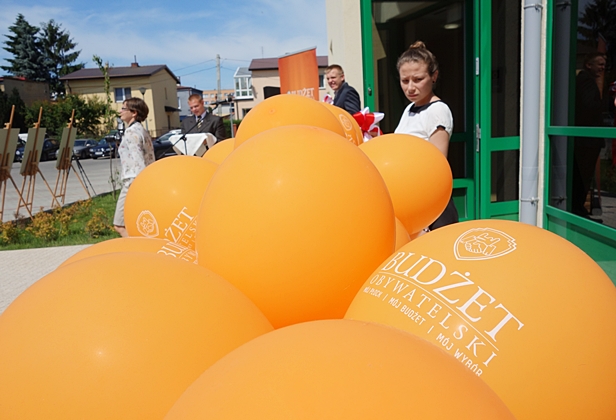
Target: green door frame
x: 485, y: 144
x: 367, y: 54
x: 465, y: 189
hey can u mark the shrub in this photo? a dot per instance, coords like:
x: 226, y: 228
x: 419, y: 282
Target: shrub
x: 8, y: 233
x: 43, y: 226
x: 98, y: 224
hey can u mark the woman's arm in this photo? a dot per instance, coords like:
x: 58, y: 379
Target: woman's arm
x: 440, y: 138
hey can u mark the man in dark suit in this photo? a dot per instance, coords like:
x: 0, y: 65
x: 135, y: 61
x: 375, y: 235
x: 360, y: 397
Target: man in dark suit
x: 346, y: 97
x: 205, y: 121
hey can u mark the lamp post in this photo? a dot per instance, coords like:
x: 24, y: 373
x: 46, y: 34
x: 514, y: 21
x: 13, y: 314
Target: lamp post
x: 142, y: 90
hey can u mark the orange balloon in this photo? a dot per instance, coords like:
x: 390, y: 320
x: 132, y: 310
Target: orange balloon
x: 338, y: 369
x: 417, y: 175
x: 117, y: 336
x: 352, y: 130
x: 220, y: 151
x: 521, y: 307
x: 280, y: 221
x: 286, y: 109
x: 163, y: 201
x: 417, y: 235
x: 402, y: 236
x: 136, y: 244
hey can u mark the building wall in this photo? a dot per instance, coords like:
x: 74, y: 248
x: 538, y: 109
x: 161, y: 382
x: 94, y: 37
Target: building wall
x: 211, y: 96
x: 261, y: 79
x: 162, y: 92
x: 344, y: 41
x: 182, y: 105
x: 29, y: 91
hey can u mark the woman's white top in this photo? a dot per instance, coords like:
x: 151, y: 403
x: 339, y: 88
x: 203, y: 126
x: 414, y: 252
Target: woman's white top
x: 136, y: 151
x: 423, y: 121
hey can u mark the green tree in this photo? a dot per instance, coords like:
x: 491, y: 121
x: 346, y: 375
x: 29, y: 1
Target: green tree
x: 28, y: 60
x: 58, y: 48
x: 110, y: 114
x: 597, y: 19
x: 6, y: 104
x: 41, y: 54
x: 56, y: 115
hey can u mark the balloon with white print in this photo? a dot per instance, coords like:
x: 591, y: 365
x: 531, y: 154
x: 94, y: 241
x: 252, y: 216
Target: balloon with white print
x: 163, y: 200
x: 522, y: 308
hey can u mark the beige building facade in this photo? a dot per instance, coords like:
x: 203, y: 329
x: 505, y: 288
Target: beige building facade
x: 344, y: 41
x: 155, y: 84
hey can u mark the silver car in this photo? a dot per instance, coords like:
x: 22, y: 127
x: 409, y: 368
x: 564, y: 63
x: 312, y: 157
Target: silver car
x: 81, y: 149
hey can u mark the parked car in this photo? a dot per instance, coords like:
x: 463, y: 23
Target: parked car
x: 163, y: 147
x: 103, y: 148
x: 112, y: 135
x: 81, y: 149
x: 50, y: 150
x: 20, y: 144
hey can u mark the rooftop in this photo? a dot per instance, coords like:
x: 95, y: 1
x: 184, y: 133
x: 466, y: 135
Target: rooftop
x: 134, y: 70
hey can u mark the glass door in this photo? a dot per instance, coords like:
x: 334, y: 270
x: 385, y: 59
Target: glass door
x: 389, y: 28
x: 497, y: 107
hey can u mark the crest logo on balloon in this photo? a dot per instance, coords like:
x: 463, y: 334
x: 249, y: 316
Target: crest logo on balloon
x: 483, y: 244
x: 346, y: 123
x: 147, y: 225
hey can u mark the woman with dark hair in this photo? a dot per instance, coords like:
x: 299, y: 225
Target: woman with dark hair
x: 426, y: 116
x: 136, y: 152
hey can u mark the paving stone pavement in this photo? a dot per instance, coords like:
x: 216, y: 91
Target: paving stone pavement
x: 21, y: 268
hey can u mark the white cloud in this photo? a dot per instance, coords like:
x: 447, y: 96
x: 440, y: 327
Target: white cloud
x: 162, y: 34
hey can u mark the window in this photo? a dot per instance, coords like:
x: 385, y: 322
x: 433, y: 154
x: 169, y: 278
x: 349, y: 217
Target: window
x: 122, y: 94
x: 321, y: 81
x: 582, y: 175
x: 243, y: 87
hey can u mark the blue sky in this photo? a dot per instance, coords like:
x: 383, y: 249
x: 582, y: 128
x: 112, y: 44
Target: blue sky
x: 185, y: 36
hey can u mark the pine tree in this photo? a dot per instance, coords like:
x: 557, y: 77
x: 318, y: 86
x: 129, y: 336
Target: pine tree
x: 28, y: 59
x: 41, y: 54
x: 58, y: 49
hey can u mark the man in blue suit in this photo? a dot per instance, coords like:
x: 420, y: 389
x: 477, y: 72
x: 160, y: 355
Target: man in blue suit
x: 346, y: 97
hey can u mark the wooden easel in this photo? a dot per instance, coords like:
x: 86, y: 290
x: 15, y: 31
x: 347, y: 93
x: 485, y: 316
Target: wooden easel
x: 8, y: 144
x: 30, y: 166
x: 64, y: 164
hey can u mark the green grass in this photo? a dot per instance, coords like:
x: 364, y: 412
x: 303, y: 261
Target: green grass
x: 75, y: 230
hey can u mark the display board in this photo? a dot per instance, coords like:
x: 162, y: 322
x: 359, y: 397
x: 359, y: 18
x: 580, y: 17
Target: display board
x: 8, y: 145
x: 33, y: 151
x: 65, y: 152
